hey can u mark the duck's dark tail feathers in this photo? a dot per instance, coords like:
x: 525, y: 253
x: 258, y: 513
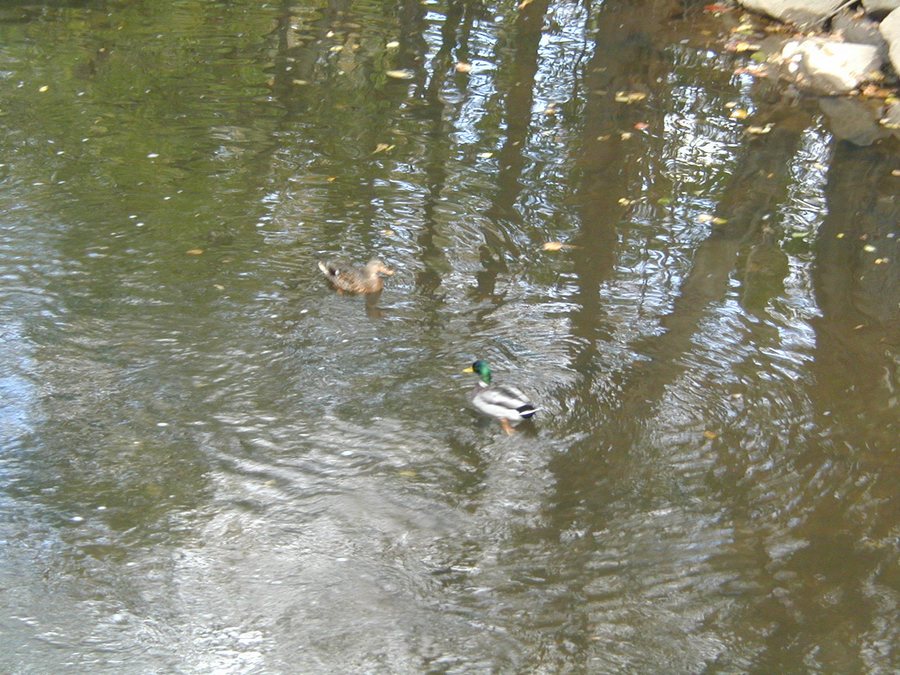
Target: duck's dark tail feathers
x: 328, y: 269
x: 527, y: 410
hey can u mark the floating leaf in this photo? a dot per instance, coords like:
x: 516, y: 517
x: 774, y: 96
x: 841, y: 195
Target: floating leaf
x: 153, y: 155
x: 624, y: 201
x: 393, y: 44
x: 401, y: 74
x: 719, y: 221
x: 383, y: 147
x: 407, y: 473
x: 625, y: 135
x: 704, y: 218
x: 524, y: 4
x: 219, y: 287
x: 43, y: 89
x: 485, y: 155
x: 741, y: 46
x: 716, y: 8
x: 630, y: 96
x: 868, y: 248
x: 555, y: 246
x: 739, y: 114
x: 840, y: 235
x: 641, y: 126
x: 337, y: 48
x: 754, y: 70
x: 710, y: 434
x: 753, y: 129
x: 463, y: 67
x: 194, y: 251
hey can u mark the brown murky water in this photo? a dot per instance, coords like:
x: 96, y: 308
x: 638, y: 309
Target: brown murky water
x: 213, y: 463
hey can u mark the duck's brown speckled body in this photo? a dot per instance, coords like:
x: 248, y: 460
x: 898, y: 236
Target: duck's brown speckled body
x: 348, y: 279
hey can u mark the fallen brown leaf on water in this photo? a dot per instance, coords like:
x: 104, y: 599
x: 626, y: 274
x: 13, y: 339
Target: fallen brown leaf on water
x: 738, y: 114
x: 624, y: 201
x: 754, y: 70
x: 524, y: 4
x: 556, y: 246
x: 194, y: 251
x: 331, y: 179
x: 463, y: 67
x: 383, y: 147
x: 630, y: 96
x: 641, y: 126
x: 625, y: 135
x: 710, y: 434
x: 874, y: 91
x: 400, y: 74
x: 717, y: 8
x: 742, y: 46
x: 709, y: 218
x: 754, y: 129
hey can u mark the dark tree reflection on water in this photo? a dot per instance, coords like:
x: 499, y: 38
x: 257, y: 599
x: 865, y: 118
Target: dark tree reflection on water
x: 214, y: 463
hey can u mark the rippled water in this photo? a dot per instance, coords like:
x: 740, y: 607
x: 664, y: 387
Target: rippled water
x: 213, y: 463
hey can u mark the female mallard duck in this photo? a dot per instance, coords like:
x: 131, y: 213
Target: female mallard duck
x: 354, y: 280
x: 504, y: 402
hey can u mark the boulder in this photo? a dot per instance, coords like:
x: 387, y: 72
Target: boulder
x: 829, y: 67
x: 890, y: 31
x: 859, y: 28
x: 879, y: 8
x: 851, y: 120
x: 804, y: 13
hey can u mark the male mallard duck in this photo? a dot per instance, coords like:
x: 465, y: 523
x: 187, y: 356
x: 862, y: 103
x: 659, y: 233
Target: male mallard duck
x: 503, y: 401
x: 354, y: 280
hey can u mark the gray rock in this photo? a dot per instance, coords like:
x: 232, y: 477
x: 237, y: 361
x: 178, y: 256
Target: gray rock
x: 851, y: 120
x: 890, y: 118
x: 857, y: 27
x: 879, y: 8
x: 890, y: 31
x: 801, y: 12
x: 829, y: 67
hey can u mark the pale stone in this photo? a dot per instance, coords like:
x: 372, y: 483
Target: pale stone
x: 828, y: 67
x: 890, y: 31
x: 880, y: 7
x: 800, y: 12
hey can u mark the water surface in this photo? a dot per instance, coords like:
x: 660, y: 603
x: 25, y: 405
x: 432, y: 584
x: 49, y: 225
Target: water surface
x: 213, y: 463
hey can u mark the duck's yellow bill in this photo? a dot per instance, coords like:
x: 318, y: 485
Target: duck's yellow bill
x: 470, y: 369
